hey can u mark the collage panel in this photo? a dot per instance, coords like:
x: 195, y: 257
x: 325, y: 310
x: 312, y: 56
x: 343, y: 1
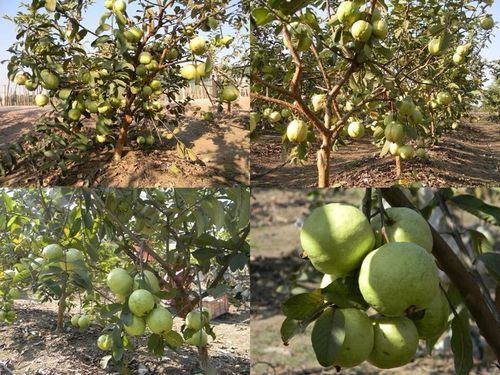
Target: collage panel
x: 375, y: 93
x: 124, y: 281
x: 124, y: 93
x: 369, y: 281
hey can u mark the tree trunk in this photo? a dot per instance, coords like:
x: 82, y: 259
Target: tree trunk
x: 61, y: 308
x: 228, y: 107
x: 122, y: 137
x: 203, y: 354
x: 323, y: 162
x: 398, y: 166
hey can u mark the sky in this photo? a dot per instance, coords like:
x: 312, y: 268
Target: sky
x: 11, y: 7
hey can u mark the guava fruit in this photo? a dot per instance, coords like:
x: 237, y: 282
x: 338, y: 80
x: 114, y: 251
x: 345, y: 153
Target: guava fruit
x: 229, y: 93
x: 404, y: 225
x: 406, y: 108
x: 358, y: 340
x: 416, y: 116
x: 356, y: 129
x: 464, y: 49
x: 254, y: 118
x: 198, y: 45
x: 435, y: 320
x: 395, y: 342
x: 74, y: 320
x: 30, y: 85
x: 266, y: 112
x: 41, y: 100
x: 275, y: 116
x: 72, y: 256
x: 394, y: 148
x: 296, y: 131
x: 37, y: 263
x: 361, y: 31
x: 137, y: 327
x: 420, y: 153
x: 155, y: 84
x: 141, y: 302
x: 300, y: 35
x: 398, y: 276
x: 159, y: 320
x: 141, y: 70
x: 83, y: 322
x: 454, y: 126
x: 443, y: 98
x: 133, y: 35
x: 286, y: 113
x: 50, y: 81
x: 105, y: 342
x: 189, y: 72
x: 74, y: 114
x: 406, y: 152
x: 14, y: 293
x: 436, y: 45
x: 195, y: 320
x: 172, y: 54
x: 119, y: 281
x: 348, y: 12
x: 52, y: 251
x: 486, y: 22
x: 91, y: 106
x: 318, y: 102
x: 145, y: 58
x: 150, y: 279
x: 119, y: 5
x: 21, y: 79
x: 379, y: 29
x: 199, y: 338
x: 458, y: 59
x: 104, y: 107
x: 336, y: 237
x: 394, y: 132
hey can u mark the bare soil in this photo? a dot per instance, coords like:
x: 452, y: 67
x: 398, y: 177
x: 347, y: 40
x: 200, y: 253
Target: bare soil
x: 30, y: 346
x: 222, y: 148
x: 469, y: 156
x: 275, y: 256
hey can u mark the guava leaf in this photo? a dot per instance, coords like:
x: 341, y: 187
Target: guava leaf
x: 155, y: 344
x: 289, y: 328
x: 288, y: 7
x: 477, y: 207
x: 492, y: 263
x: 173, y: 340
x: 480, y: 243
x: 262, y: 16
x: 344, y: 292
x: 461, y: 343
x: 328, y: 336
x: 303, y: 306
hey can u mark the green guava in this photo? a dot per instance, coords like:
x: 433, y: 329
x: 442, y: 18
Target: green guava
x: 119, y: 281
x: 398, y: 276
x: 72, y: 256
x: 52, y: 251
x: 21, y: 79
x: 159, y: 320
x: 74, y: 114
x: 141, y: 302
x: 195, y: 320
x: 119, y: 5
x: 379, y: 29
x: 198, y: 45
x: 137, y: 327
x: 150, y: 279
x: 83, y: 322
x: 444, y: 98
x: 229, y: 93
x: 435, y: 320
x: 348, y: 12
x: 356, y: 129
x: 394, y: 132
x: 436, y: 45
x: 105, y: 342
x: 199, y: 338
x: 406, y: 152
x: 286, y: 113
x: 50, y: 81
x: 404, y: 225
x: 14, y: 293
x: 395, y: 342
x: 145, y: 58
x: 75, y: 319
x: 336, y: 237
x: 296, y: 131
x: 487, y: 22
x: 254, y: 118
x: 361, y: 31
x: 275, y: 116
x: 420, y: 153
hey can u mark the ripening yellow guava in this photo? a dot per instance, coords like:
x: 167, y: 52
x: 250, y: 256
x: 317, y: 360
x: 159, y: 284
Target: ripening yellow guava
x: 119, y: 281
x: 141, y: 302
x: 394, y: 148
x: 379, y: 29
x: 356, y: 129
x: 159, y: 320
x: 318, y: 102
x: 74, y: 320
x: 150, y: 279
x: 395, y: 342
x: 198, y: 45
x: 348, y: 13
x: 83, y: 322
x: 145, y: 58
x: 358, y: 340
x: 398, y: 276
x: 274, y: 116
x: 361, y: 31
x: 436, y: 46
x: 136, y: 327
x: 21, y: 79
x: 41, y: 100
x: 155, y: 84
x: 229, y: 93
x: 52, y: 251
x: 458, y: 59
x: 119, y: 5
x: 487, y: 22
x: 435, y: 320
x: 336, y: 237
x: 74, y: 114
x: 105, y: 342
x: 394, y: 132
x: 464, y: 49
x: 189, y: 72
x: 404, y: 225
x: 443, y: 98
x: 296, y: 131
x: 50, y: 81
x: 199, y: 338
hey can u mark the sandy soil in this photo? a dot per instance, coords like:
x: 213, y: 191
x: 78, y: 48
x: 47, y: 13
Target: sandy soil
x: 469, y: 156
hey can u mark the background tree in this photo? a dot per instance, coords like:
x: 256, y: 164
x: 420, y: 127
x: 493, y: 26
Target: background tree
x: 491, y: 95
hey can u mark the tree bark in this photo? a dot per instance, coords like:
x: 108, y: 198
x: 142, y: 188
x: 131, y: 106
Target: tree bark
x: 122, y: 136
x: 398, y: 166
x: 60, y: 309
x: 323, y: 162
x: 459, y: 276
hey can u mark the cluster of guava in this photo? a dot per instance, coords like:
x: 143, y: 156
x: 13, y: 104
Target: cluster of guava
x: 69, y: 260
x: 396, y: 274
x: 81, y: 321
x: 195, y: 322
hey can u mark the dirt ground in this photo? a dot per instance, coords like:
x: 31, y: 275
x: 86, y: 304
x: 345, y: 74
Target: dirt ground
x: 31, y: 347
x: 469, y: 156
x: 275, y: 259
x: 222, y: 148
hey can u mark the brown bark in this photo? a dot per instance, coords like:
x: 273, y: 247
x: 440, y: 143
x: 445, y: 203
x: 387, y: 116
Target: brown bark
x: 122, y: 136
x: 398, y: 166
x: 60, y: 309
x: 459, y: 276
x: 323, y: 162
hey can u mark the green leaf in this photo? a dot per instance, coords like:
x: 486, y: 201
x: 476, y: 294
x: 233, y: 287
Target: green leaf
x: 262, y: 16
x: 344, y: 292
x: 492, y: 263
x: 328, y: 336
x: 303, y: 306
x: 238, y: 262
x: 461, y: 343
x: 289, y: 328
x: 480, y: 243
x: 477, y: 207
x: 173, y: 340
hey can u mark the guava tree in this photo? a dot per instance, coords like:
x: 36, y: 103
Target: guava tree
x: 118, y: 75
x: 406, y: 71
x: 491, y: 95
x: 381, y: 291
x: 129, y: 260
